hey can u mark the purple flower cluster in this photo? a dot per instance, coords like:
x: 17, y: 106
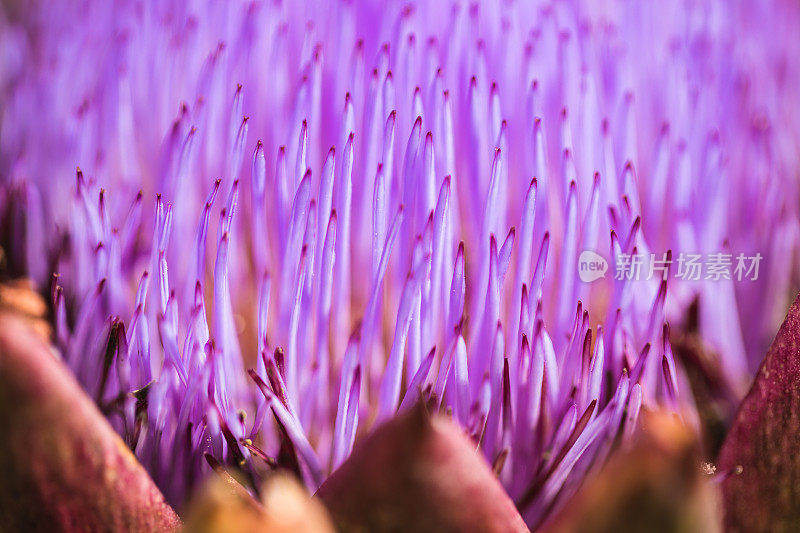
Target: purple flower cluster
x: 292, y: 220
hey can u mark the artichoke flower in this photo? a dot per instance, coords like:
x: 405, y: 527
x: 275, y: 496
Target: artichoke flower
x: 429, y: 266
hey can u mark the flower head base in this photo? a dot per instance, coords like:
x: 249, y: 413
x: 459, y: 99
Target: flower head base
x: 294, y: 222
x: 64, y: 470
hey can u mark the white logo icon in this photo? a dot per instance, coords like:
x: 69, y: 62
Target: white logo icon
x: 591, y: 266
